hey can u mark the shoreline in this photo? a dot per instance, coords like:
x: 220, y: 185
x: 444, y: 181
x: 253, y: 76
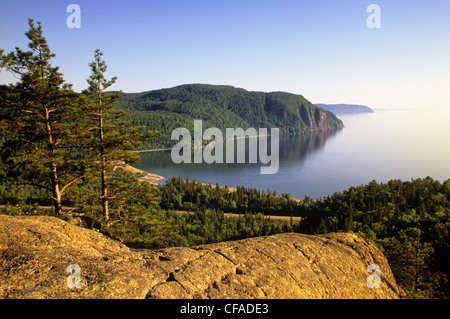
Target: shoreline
x: 154, y: 179
x: 243, y: 137
x: 146, y: 176
x: 152, y: 150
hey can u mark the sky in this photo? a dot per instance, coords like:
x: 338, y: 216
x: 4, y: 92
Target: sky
x: 321, y: 49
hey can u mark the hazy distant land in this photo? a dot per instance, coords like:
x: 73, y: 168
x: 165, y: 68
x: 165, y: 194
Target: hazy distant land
x: 345, y: 108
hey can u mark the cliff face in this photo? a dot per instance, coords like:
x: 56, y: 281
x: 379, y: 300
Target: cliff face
x: 35, y: 252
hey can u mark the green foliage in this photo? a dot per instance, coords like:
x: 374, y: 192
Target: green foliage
x: 203, y: 227
x: 25, y: 210
x: 39, y: 133
x: 52, y: 138
x: 199, y: 211
x: 409, y: 221
x: 179, y: 194
x: 222, y: 107
x: 13, y: 193
x: 144, y: 228
x: 134, y: 217
x: 110, y: 140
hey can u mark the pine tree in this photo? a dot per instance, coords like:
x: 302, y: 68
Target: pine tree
x: 38, y: 120
x: 112, y: 140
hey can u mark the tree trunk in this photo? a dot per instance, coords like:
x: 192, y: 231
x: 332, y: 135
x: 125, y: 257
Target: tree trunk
x: 56, y: 193
x: 105, y: 196
x: 103, y: 162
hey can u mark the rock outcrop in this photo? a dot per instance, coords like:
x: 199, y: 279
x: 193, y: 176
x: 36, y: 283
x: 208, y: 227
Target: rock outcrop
x: 35, y: 252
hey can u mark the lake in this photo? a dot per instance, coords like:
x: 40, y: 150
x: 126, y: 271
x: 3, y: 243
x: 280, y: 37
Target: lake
x: 387, y: 144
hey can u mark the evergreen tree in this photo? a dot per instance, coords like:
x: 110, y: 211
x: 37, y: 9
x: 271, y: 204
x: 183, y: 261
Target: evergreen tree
x: 112, y: 140
x: 38, y: 120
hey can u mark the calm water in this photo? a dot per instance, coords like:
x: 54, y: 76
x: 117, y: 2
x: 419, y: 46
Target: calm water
x: 387, y: 144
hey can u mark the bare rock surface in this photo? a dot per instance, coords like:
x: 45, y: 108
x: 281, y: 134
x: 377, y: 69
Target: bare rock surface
x: 35, y: 252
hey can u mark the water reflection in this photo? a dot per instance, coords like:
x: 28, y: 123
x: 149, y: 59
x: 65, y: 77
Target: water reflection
x: 375, y: 146
x: 293, y: 150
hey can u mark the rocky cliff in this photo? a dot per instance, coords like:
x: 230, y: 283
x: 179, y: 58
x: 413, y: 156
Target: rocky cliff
x: 35, y: 252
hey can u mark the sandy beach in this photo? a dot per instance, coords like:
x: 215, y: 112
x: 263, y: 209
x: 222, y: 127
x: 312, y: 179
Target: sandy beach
x: 148, y: 177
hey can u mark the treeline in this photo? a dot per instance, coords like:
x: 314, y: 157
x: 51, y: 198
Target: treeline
x: 408, y: 220
x: 198, y: 211
x: 179, y: 194
x: 203, y: 227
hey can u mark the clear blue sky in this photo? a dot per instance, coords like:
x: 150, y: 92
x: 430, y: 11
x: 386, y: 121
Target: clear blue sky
x: 320, y: 49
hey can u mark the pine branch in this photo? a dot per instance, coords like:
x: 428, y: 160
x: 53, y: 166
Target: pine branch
x: 71, y: 182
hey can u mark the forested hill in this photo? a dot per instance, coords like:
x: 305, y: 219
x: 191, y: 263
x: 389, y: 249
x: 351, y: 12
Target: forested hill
x: 223, y: 106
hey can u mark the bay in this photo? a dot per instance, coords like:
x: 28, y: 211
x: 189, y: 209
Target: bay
x: 384, y: 145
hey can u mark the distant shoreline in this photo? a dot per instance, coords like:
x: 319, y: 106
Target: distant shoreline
x: 241, y: 137
x: 203, y: 145
x: 153, y: 150
x: 155, y: 179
